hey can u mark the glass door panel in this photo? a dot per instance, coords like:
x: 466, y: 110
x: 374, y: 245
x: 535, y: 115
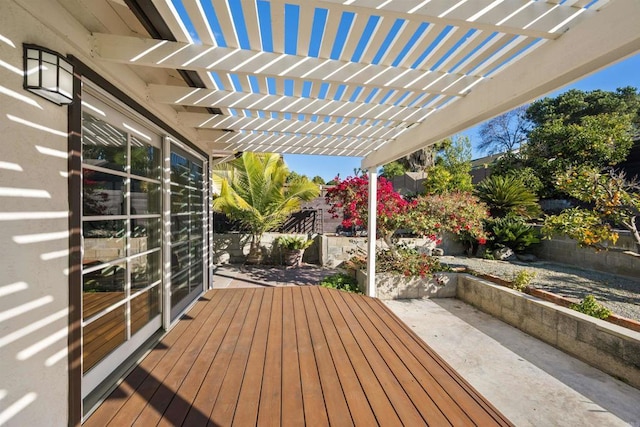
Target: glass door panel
x: 187, y: 235
x: 121, y: 237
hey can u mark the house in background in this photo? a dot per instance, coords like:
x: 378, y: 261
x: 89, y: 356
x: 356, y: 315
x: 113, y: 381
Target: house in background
x: 105, y: 225
x: 481, y: 167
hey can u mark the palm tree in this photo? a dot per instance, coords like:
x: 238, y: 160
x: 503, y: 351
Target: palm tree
x: 253, y: 191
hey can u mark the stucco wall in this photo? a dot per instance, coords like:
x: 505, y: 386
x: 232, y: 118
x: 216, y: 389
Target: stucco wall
x: 33, y: 236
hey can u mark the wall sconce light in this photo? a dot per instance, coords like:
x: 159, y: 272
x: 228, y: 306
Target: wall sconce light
x: 48, y: 74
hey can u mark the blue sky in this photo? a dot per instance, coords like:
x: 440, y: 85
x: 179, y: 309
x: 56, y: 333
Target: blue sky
x: 624, y: 73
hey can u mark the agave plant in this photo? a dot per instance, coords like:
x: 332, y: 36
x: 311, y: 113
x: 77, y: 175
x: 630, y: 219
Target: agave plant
x: 508, y: 195
x: 252, y: 190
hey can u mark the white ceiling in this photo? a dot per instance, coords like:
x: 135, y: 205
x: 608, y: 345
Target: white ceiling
x: 367, y: 78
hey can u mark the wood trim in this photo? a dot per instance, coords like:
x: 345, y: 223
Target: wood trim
x: 157, y: 28
x: 74, y: 125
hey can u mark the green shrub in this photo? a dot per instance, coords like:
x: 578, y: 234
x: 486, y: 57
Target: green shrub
x: 512, y: 232
x: 408, y: 262
x: 293, y: 242
x: 508, y: 195
x: 341, y: 281
x: 590, y: 306
x: 523, y: 279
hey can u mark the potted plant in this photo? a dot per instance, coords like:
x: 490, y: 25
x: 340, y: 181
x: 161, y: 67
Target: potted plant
x: 293, y: 248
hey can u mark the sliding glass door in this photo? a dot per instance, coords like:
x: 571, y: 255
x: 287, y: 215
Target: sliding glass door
x: 187, y: 228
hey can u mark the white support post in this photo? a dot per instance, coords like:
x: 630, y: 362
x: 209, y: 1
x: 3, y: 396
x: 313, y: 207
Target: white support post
x: 371, y: 232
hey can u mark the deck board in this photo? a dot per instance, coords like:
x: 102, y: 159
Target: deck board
x: 293, y: 356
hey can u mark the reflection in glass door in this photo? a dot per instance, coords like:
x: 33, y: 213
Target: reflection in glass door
x: 121, y: 235
x: 187, y: 233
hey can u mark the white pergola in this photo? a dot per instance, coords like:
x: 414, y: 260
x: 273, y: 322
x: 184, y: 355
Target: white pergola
x: 373, y: 79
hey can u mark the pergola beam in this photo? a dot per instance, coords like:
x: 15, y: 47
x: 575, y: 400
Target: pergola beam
x: 185, y: 56
x: 238, y: 123
x: 287, y: 143
x: 585, y: 49
x: 179, y: 95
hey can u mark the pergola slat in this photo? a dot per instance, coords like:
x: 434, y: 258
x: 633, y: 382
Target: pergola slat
x: 194, y: 9
x: 228, y: 99
x: 555, y: 63
x: 208, y: 121
x: 330, y: 32
x: 253, y: 27
x: 226, y: 23
x: 277, y: 26
x: 431, y: 10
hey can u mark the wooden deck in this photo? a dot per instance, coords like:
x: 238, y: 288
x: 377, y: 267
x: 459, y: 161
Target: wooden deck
x: 293, y: 356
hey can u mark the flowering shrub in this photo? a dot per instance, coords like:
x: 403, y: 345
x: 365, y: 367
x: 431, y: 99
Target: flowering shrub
x: 613, y: 199
x: 460, y: 213
x: 351, y: 196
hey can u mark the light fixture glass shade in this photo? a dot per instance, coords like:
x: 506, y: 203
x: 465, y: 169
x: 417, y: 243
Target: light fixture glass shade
x: 48, y: 74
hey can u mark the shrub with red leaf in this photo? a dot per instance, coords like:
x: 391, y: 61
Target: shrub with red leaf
x: 351, y: 197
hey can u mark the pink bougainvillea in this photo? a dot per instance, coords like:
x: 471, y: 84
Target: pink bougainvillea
x: 350, y: 197
x: 458, y: 212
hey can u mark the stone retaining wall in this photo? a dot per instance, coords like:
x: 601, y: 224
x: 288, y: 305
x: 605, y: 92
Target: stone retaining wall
x: 621, y: 259
x: 610, y: 348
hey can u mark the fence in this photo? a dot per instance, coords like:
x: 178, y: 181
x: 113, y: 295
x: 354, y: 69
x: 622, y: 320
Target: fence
x: 306, y: 221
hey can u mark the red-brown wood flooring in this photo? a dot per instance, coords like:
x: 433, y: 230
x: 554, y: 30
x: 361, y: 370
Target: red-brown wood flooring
x: 293, y: 356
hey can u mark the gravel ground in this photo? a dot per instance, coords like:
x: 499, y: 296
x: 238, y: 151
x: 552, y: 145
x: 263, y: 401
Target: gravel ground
x: 620, y: 294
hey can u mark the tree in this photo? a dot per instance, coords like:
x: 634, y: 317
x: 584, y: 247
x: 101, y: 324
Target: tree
x: 595, y: 141
x: 393, y: 169
x: 612, y: 199
x: 452, y: 168
x: 580, y: 128
x: 505, y: 133
x: 318, y: 180
x: 571, y: 106
x: 296, y: 177
x: 253, y: 191
x: 419, y: 160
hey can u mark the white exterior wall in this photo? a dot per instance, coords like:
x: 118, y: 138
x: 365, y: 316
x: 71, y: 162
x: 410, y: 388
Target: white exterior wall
x: 33, y: 236
x: 34, y: 287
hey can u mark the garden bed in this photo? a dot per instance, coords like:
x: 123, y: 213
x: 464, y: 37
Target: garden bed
x: 395, y: 286
x: 608, y: 347
x: 618, y: 293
